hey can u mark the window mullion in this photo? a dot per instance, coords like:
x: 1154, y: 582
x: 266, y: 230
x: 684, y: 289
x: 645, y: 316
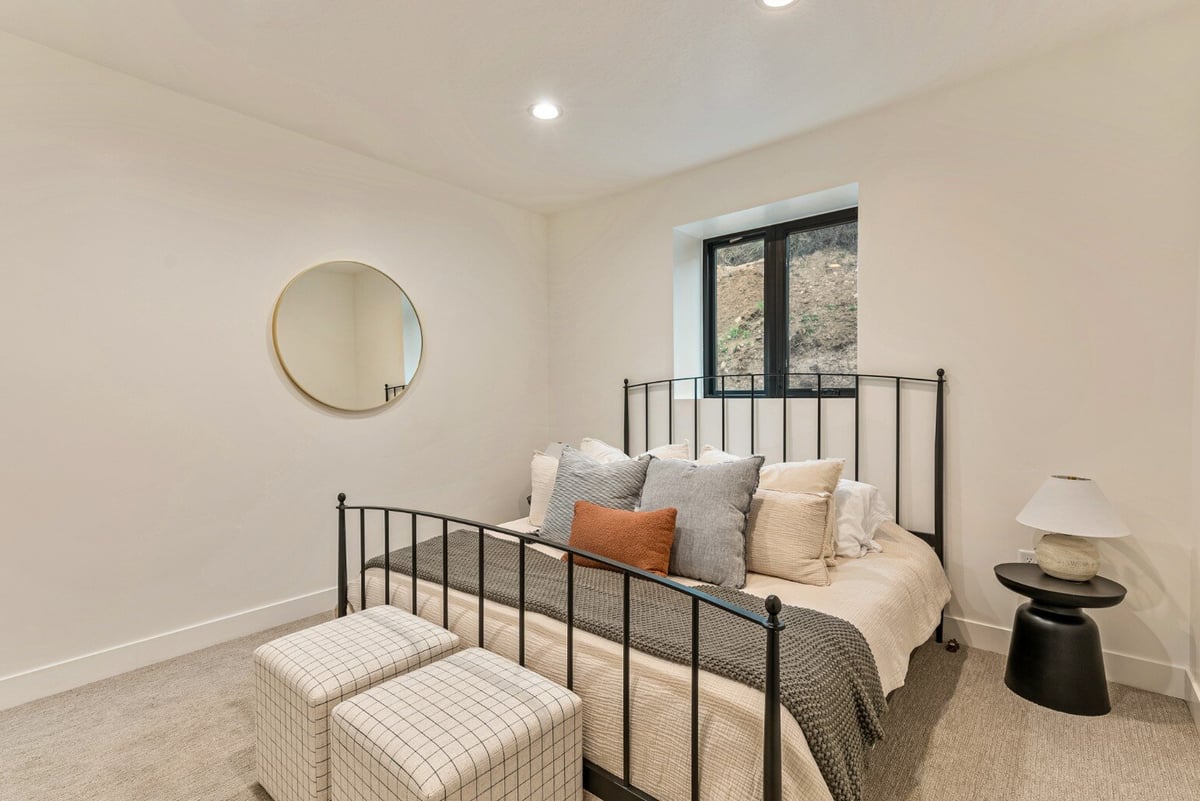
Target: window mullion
x: 775, y: 309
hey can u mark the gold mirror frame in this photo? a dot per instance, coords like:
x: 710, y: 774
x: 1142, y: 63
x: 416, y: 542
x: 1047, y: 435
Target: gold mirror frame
x: 306, y: 391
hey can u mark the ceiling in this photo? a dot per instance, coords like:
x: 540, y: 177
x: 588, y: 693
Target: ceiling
x: 648, y: 87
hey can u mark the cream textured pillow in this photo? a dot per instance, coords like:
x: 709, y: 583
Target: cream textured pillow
x: 813, y: 476
x: 604, y: 453
x: 785, y: 535
x: 542, y: 469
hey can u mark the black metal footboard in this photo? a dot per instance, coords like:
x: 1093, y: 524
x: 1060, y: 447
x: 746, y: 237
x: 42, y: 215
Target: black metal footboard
x: 597, y: 780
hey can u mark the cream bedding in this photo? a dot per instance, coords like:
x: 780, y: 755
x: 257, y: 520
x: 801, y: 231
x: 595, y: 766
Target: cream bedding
x: 894, y: 598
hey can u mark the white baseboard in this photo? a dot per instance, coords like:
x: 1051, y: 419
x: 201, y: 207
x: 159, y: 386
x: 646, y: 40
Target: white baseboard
x: 1135, y: 671
x: 57, y: 677
x: 1193, y: 697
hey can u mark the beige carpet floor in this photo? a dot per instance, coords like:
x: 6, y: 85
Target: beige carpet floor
x: 184, y: 729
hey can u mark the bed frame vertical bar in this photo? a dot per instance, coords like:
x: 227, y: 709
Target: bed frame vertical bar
x: 570, y: 621
x: 752, y: 383
x: 414, y: 564
x: 446, y: 573
x: 898, y: 451
x: 646, y: 422
x: 783, y: 399
x: 939, y: 478
x: 695, y: 699
x: 671, y: 410
x: 481, y: 586
x: 342, y: 600
x: 625, y: 745
x: 695, y: 418
x: 521, y: 605
x: 362, y: 560
x: 724, y: 403
x: 857, y: 392
x: 387, y: 557
x: 772, y: 733
x: 626, y: 440
x: 818, y: 415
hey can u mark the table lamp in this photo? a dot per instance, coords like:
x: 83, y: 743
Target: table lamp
x: 1069, y: 510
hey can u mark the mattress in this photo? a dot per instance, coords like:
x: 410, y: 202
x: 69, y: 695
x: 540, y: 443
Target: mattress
x: 894, y: 598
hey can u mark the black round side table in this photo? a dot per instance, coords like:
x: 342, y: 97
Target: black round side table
x: 1054, y: 658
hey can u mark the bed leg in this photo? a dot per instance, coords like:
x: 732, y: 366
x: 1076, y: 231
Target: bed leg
x: 341, y: 602
x: 939, y: 636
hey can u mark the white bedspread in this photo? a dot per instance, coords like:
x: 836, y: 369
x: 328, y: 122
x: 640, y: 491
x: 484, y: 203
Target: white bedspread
x: 894, y: 598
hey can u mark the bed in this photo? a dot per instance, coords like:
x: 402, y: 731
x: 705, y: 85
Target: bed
x: 660, y: 729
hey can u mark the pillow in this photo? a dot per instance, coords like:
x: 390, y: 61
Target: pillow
x: 785, y: 535
x: 581, y: 478
x: 542, y: 471
x: 815, y: 475
x: 604, y: 453
x: 712, y: 502
x: 861, y: 510
x: 640, y: 539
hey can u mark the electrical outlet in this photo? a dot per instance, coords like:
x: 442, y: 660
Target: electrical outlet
x: 1026, y: 556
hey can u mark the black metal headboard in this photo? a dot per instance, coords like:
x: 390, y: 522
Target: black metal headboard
x: 754, y: 388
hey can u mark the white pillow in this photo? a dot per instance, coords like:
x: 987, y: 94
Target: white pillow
x: 861, y: 510
x: 604, y: 453
x: 542, y: 471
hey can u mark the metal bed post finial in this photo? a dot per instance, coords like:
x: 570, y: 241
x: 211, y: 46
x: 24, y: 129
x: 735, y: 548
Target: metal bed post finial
x: 341, y: 607
x: 772, y: 737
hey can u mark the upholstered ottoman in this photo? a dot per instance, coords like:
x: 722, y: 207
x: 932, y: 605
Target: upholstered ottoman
x: 472, y: 727
x: 299, y: 678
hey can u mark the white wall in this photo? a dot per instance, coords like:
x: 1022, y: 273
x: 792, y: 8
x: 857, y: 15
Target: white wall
x: 1192, y: 692
x: 158, y: 468
x: 1033, y: 232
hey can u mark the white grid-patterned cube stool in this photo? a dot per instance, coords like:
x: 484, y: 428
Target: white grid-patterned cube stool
x: 299, y: 678
x: 472, y: 727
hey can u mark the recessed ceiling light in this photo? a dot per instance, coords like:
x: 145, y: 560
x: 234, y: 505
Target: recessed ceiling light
x: 545, y: 110
x: 775, y: 3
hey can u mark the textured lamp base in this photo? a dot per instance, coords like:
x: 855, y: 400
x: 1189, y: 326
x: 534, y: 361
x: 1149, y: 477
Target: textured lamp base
x: 1067, y: 557
x: 1055, y: 660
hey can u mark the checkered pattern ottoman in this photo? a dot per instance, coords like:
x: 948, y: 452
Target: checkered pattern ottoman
x: 472, y: 727
x: 299, y: 678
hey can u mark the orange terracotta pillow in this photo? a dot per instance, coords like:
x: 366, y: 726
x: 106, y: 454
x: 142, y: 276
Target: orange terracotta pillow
x: 639, y: 539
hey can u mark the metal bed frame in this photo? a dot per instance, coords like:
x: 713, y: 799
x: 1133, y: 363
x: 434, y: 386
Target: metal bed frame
x: 598, y: 781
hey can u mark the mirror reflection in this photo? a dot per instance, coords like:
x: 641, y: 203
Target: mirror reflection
x: 347, y: 335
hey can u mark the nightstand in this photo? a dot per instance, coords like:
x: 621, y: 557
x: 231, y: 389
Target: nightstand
x: 1054, y: 658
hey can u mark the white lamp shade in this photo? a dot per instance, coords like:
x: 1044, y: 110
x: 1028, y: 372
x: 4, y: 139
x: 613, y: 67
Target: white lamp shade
x: 1070, y: 505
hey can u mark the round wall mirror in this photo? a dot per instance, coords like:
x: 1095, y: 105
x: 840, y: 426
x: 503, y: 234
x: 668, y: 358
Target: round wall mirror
x: 347, y: 335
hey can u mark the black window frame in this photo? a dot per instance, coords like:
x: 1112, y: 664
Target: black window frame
x: 775, y: 306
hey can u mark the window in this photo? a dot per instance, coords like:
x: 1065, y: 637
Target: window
x: 783, y: 299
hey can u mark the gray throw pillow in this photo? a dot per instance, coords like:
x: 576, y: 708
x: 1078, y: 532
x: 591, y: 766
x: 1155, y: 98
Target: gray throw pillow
x: 710, y: 526
x: 617, y: 485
